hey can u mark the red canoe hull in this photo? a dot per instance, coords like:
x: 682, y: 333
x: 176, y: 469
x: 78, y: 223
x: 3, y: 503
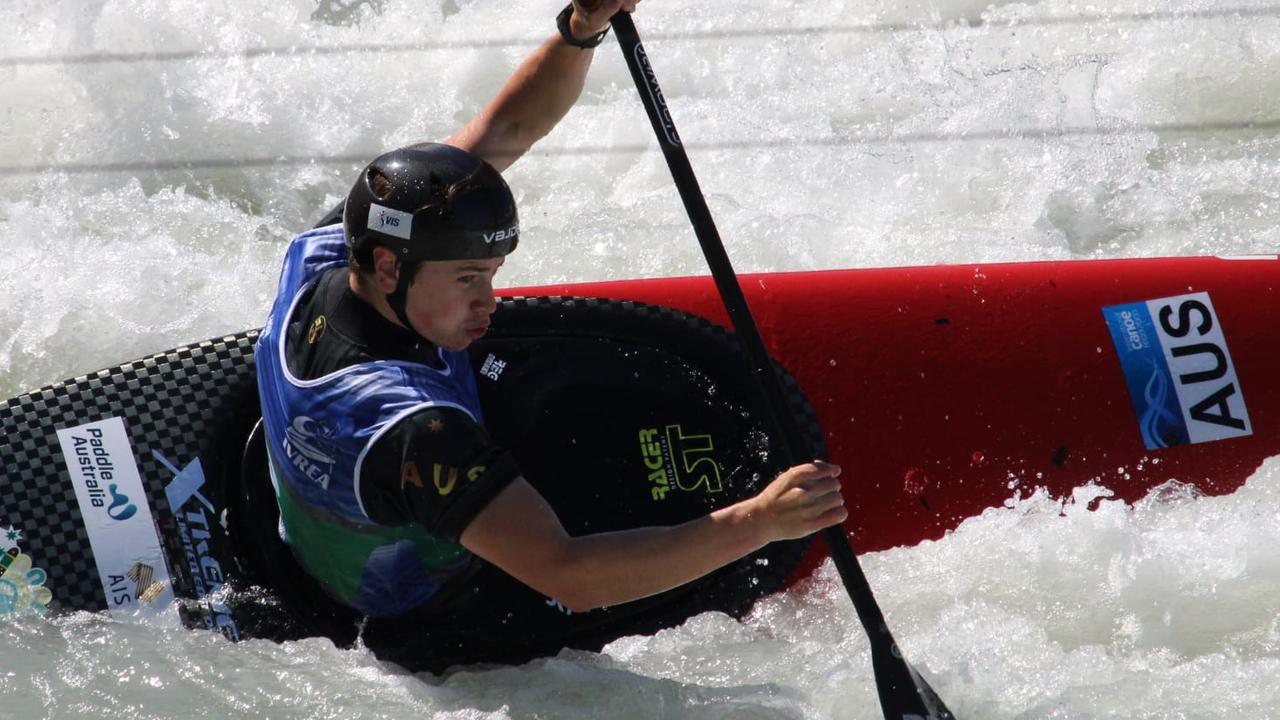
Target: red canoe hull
x: 946, y: 390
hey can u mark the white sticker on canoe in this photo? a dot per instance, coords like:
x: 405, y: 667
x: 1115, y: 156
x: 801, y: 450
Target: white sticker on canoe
x: 117, y: 516
x: 1181, y: 380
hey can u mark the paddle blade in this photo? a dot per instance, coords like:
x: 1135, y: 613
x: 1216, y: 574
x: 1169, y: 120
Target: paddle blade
x: 904, y: 693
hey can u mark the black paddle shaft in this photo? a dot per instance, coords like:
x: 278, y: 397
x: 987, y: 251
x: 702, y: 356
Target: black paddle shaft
x: 904, y: 694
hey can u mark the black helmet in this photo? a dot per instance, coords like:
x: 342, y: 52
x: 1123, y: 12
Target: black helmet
x: 430, y: 202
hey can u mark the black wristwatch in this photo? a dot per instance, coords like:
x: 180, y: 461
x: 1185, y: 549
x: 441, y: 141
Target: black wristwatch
x: 562, y: 23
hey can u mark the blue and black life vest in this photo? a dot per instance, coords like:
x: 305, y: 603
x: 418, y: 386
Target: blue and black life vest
x: 318, y: 434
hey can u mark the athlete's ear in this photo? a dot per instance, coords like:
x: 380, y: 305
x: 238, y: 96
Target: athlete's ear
x: 386, y: 269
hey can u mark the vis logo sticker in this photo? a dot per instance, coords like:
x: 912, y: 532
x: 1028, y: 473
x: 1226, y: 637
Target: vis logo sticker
x: 391, y: 222
x: 1181, y: 380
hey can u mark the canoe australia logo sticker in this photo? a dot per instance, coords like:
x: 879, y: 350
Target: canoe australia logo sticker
x: 1181, y: 380
x: 675, y: 460
x: 101, y: 467
x: 21, y: 583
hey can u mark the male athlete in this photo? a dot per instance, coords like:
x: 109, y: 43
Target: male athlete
x: 365, y: 386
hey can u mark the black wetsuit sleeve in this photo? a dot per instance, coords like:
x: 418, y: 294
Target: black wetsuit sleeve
x: 437, y: 467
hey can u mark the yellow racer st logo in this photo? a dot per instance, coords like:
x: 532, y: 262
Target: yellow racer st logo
x: 685, y: 461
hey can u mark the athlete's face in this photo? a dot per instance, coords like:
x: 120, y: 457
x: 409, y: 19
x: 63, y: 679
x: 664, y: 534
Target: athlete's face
x: 450, y: 302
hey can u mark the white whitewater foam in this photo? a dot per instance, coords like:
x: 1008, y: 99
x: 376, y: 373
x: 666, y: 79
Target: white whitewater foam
x: 155, y: 156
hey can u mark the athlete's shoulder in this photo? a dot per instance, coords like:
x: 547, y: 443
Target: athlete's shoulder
x: 436, y: 466
x: 444, y: 425
x: 440, y: 434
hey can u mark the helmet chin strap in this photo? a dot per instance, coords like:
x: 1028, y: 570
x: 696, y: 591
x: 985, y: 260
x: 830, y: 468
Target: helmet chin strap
x: 397, y: 301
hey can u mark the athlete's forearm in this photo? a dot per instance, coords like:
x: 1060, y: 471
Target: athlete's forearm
x: 612, y: 568
x: 519, y: 532
x: 529, y: 105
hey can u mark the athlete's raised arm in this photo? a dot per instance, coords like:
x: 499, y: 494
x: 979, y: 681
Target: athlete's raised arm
x: 540, y: 91
x: 520, y: 533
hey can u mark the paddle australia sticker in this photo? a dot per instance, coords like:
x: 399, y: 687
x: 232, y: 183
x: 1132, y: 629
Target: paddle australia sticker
x: 122, y: 534
x: 1181, y: 380
x: 673, y: 459
x: 21, y: 583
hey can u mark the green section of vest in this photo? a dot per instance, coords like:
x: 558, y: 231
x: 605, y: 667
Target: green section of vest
x: 335, y: 552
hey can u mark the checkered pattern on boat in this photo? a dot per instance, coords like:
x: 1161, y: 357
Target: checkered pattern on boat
x: 168, y: 402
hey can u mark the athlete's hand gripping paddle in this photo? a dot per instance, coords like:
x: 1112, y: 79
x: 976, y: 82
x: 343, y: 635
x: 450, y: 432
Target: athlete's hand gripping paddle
x: 904, y: 694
